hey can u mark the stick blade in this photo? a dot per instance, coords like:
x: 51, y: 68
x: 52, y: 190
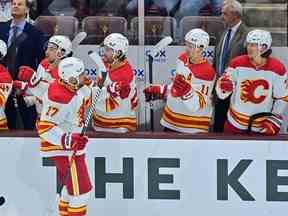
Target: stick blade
x: 161, y: 45
x: 78, y: 39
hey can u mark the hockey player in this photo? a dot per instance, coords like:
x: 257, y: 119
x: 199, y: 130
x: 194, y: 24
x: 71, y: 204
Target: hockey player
x: 5, y: 86
x: 188, y: 107
x: 258, y: 83
x: 36, y: 83
x: 116, y: 109
x: 62, y: 119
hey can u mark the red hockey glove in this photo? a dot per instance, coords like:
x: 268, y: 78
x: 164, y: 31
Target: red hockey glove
x: 20, y: 85
x: 5, y: 76
x: 124, y: 90
x: 271, y: 125
x: 114, y: 89
x: 225, y: 84
x: 25, y: 73
x: 119, y: 89
x: 74, y: 141
x: 155, y: 92
x: 180, y: 86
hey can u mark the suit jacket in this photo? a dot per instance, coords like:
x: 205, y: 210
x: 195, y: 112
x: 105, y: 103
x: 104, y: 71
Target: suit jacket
x: 236, y: 46
x: 31, y: 49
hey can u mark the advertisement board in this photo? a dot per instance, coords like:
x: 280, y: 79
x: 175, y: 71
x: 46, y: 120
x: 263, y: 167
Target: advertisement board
x: 154, y: 177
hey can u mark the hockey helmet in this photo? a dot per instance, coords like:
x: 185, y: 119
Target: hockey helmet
x: 70, y: 70
x: 3, y: 49
x: 63, y: 43
x: 198, y: 37
x: 262, y: 38
x: 118, y: 43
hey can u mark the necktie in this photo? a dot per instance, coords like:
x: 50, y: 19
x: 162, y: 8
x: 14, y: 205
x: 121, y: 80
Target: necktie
x: 14, y: 35
x: 12, y: 52
x: 224, y: 55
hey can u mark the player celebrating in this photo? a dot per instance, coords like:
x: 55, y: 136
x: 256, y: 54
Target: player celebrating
x: 116, y: 109
x: 188, y: 107
x: 5, y: 86
x: 258, y: 83
x: 62, y: 119
x: 36, y: 83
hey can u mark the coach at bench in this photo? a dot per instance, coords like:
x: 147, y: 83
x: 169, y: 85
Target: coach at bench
x: 25, y: 47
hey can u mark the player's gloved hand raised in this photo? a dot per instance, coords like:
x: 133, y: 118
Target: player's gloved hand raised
x: 114, y: 89
x: 25, y: 73
x: 119, y: 89
x: 271, y: 125
x: 226, y: 84
x: 74, y: 141
x: 124, y: 90
x: 19, y: 85
x: 155, y: 92
x: 180, y: 86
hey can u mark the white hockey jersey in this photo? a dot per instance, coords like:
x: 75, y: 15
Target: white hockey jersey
x: 39, y: 83
x: 113, y: 113
x: 5, y: 90
x: 63, y: 112
x: 255, y: 90
x: 192, y: 112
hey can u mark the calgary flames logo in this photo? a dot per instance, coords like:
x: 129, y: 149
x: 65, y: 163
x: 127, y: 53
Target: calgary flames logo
x: 248, y: 90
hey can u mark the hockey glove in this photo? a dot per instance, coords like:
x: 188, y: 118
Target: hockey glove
x: 225, y: 84
x: 124, y: 90
x: 114, y: 89
x: 155, y: 92
x: 180, y: 86
x: 271, y: 125
x: 74, y: 141
x: 25, y: 73
x: 19, y: 85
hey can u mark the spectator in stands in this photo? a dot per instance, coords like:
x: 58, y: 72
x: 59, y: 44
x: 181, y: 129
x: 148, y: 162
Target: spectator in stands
x: 60, y: 7
x: 25, y: 47
x: 5, y: 10
x: 109, y: 7
x: 231, y: 44
x: 193, y: 7
x: 155, y: 7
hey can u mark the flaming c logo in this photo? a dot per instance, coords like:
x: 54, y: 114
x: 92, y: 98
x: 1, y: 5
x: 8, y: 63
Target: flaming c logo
x: 248, y: 88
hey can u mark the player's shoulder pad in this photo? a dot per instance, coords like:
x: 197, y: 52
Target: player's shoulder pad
x: 239, y: 61
x: 124, y: 73
x: 58, y: 93
x: 54, y: 72
x: 204, y: 71
x: 276, y: 66
x: 44, y: 63
x: 183, y: 57
x: 5, y: 76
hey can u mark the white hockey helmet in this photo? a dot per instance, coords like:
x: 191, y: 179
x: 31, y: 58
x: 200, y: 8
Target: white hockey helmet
x: 63, y: 43
x: 262, y: 38
x: 117, y: 42
x: 198, y: 37
x: 70, y: 70
x: 3, y: 48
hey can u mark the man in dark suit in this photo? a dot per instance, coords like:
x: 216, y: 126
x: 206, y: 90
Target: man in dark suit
x: 25, y: 47
x: 230, y: 45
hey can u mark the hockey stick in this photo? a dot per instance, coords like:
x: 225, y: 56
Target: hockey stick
x: 78, y: 39
x: 159, y: 46
x: 255, y: 117
x: 97, y: 59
